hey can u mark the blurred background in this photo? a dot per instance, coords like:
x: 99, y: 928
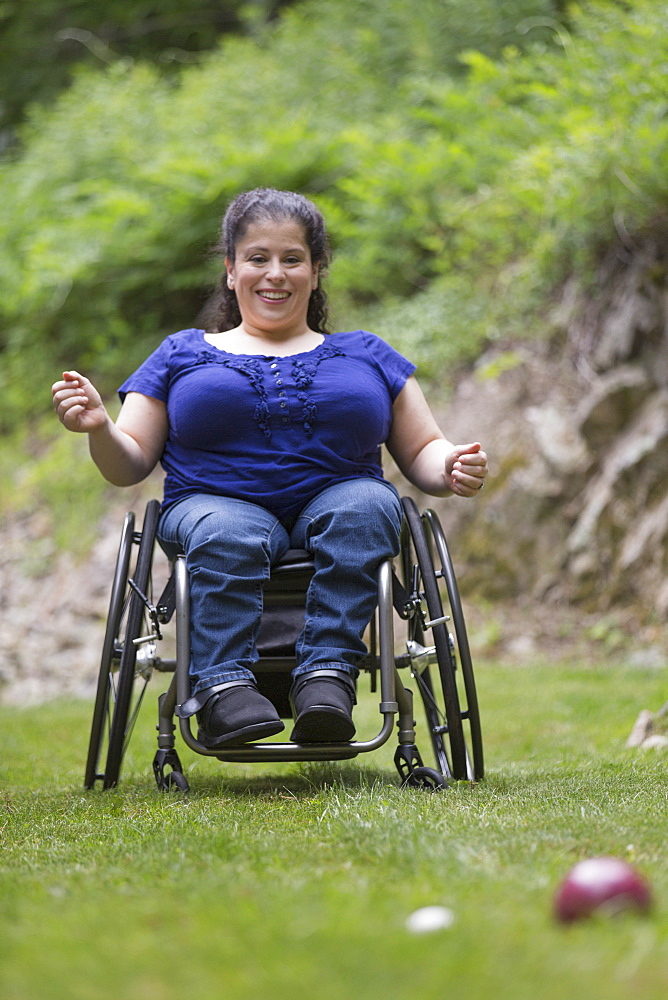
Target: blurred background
x: 493, y: 173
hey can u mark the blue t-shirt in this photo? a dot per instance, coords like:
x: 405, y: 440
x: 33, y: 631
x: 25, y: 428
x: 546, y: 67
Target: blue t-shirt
x: 274, y: 431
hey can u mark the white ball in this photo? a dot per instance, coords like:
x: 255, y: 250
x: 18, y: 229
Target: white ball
x: 430, y: 918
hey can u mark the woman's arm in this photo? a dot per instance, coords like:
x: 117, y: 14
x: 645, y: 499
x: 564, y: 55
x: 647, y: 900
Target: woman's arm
x: 125, y: 452
x: 425, y: 456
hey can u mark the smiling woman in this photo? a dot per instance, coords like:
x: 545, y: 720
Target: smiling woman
x: 269, y: 429
x: 300, y: 221
x: 272, y: 276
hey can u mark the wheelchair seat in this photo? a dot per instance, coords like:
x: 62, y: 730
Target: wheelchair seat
x: 292, y: 560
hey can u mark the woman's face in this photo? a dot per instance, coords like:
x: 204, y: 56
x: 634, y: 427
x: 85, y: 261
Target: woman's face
x: 273, y: 277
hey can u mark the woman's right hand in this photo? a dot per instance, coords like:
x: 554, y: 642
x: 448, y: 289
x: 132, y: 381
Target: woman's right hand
x: 78, y: 404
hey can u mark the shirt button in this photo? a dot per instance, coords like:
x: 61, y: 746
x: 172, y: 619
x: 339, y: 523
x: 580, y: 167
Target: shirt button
x: 274, y: 365
x: 279, y: 381
x: 284, y: 420
x: 283, y: 405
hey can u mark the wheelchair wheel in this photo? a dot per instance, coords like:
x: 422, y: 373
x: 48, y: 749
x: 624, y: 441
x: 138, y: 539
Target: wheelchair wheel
x: 461, y: 651
x: 122, y: 679
x: 426, y: 779
x: 117, y: 608
x: 447, y: 693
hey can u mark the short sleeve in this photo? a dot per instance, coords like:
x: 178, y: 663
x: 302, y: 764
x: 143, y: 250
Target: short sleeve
x: 152, y: 378
x: 395, y: 367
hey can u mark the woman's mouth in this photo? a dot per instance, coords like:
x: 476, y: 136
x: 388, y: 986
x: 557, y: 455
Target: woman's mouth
x: 273, y: 295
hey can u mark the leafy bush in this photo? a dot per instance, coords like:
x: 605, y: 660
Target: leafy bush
x: 466, y: 154
x: 43, y: 41
x: 489, y: 192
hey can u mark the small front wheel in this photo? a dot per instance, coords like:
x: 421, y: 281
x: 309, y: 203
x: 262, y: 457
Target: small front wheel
x: 175, y: 779
x: 426, y: 778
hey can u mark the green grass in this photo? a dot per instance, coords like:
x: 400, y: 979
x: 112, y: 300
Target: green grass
x: 296, y: 881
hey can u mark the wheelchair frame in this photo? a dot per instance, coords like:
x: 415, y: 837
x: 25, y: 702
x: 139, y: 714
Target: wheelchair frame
x: 442, y: 671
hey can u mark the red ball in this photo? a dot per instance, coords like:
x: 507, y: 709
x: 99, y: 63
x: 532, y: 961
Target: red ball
x: 601, y: 885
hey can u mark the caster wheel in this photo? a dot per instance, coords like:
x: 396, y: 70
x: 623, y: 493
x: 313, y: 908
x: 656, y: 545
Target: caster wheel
x: 426, y: 778
x: 175, y: 779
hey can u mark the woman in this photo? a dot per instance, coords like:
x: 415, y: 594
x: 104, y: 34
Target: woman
x: 269, y: 431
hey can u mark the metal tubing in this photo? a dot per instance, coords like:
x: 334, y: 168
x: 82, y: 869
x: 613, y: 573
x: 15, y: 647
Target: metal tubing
x: 166, y: 727
x: 182, y: 597
x: 406, y: 718
x: 291, y: 751
x: 388, y: 701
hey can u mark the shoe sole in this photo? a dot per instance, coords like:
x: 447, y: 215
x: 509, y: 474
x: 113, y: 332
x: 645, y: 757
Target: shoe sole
x: 238, y: 737
x: 323, y: 725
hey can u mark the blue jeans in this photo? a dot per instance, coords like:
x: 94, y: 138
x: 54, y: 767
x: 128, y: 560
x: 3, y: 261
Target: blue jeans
x: 230, y: 545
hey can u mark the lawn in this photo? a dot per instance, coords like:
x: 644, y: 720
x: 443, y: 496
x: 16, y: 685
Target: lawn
x: 297, y: 880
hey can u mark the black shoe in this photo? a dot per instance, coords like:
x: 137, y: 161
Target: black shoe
x: 236, y: 715
x: 322, y: 705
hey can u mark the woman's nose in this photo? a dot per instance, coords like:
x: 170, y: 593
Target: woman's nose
x: 275, y: 270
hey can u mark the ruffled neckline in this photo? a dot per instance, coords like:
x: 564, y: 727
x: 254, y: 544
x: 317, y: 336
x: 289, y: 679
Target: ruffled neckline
x: 265, y: 357
x: 304, y: 368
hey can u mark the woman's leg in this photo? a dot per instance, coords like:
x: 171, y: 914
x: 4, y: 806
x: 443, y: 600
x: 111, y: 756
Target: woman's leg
x: 350, y: 528
x: 229, y: 547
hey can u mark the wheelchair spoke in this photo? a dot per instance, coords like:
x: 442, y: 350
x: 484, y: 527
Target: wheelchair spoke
x: 134, y: 714
x: 436, y: 720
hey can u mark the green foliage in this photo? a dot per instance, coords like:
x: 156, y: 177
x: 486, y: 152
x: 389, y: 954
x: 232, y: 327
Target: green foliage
x: 54, y: 487
x: 492, y: 191
x: 466, y: 155
x: 44, y: 41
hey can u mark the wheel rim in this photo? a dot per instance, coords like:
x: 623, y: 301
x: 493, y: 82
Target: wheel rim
x: 127, y: 690
x: 438, y: 691
x: 461, y: 652
x: 117, y: 610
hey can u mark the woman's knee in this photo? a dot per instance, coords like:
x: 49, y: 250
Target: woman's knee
x: 358, y: 496
x: 364, y: 512
x: 223, y: 525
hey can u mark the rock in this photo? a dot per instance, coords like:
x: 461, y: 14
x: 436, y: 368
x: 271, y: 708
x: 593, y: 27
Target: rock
x: 655, y: 742
x: 613, y: 400
x: 54, y: 608
x: 642, y: 729
x: 634, y: 457
x: 558, y: 438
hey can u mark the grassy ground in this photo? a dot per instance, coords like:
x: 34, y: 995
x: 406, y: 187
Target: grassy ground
x: 296, y: 881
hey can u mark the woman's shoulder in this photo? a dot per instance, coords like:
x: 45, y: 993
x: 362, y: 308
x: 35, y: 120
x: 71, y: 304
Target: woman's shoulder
x: 377, y: 353
x: 364, y: 342
x: 182, y: 344
x: 361, y: 340
x: 191, y: 335
x: 175, y: 350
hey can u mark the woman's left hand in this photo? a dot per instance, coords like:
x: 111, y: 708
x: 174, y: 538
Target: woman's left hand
x: 466, y: 469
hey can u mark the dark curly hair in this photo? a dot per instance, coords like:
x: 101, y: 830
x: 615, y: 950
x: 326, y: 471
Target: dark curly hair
x: 268, y: 204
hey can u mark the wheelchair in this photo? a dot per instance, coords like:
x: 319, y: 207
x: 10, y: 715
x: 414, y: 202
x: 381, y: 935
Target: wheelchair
x: 432, y: 668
